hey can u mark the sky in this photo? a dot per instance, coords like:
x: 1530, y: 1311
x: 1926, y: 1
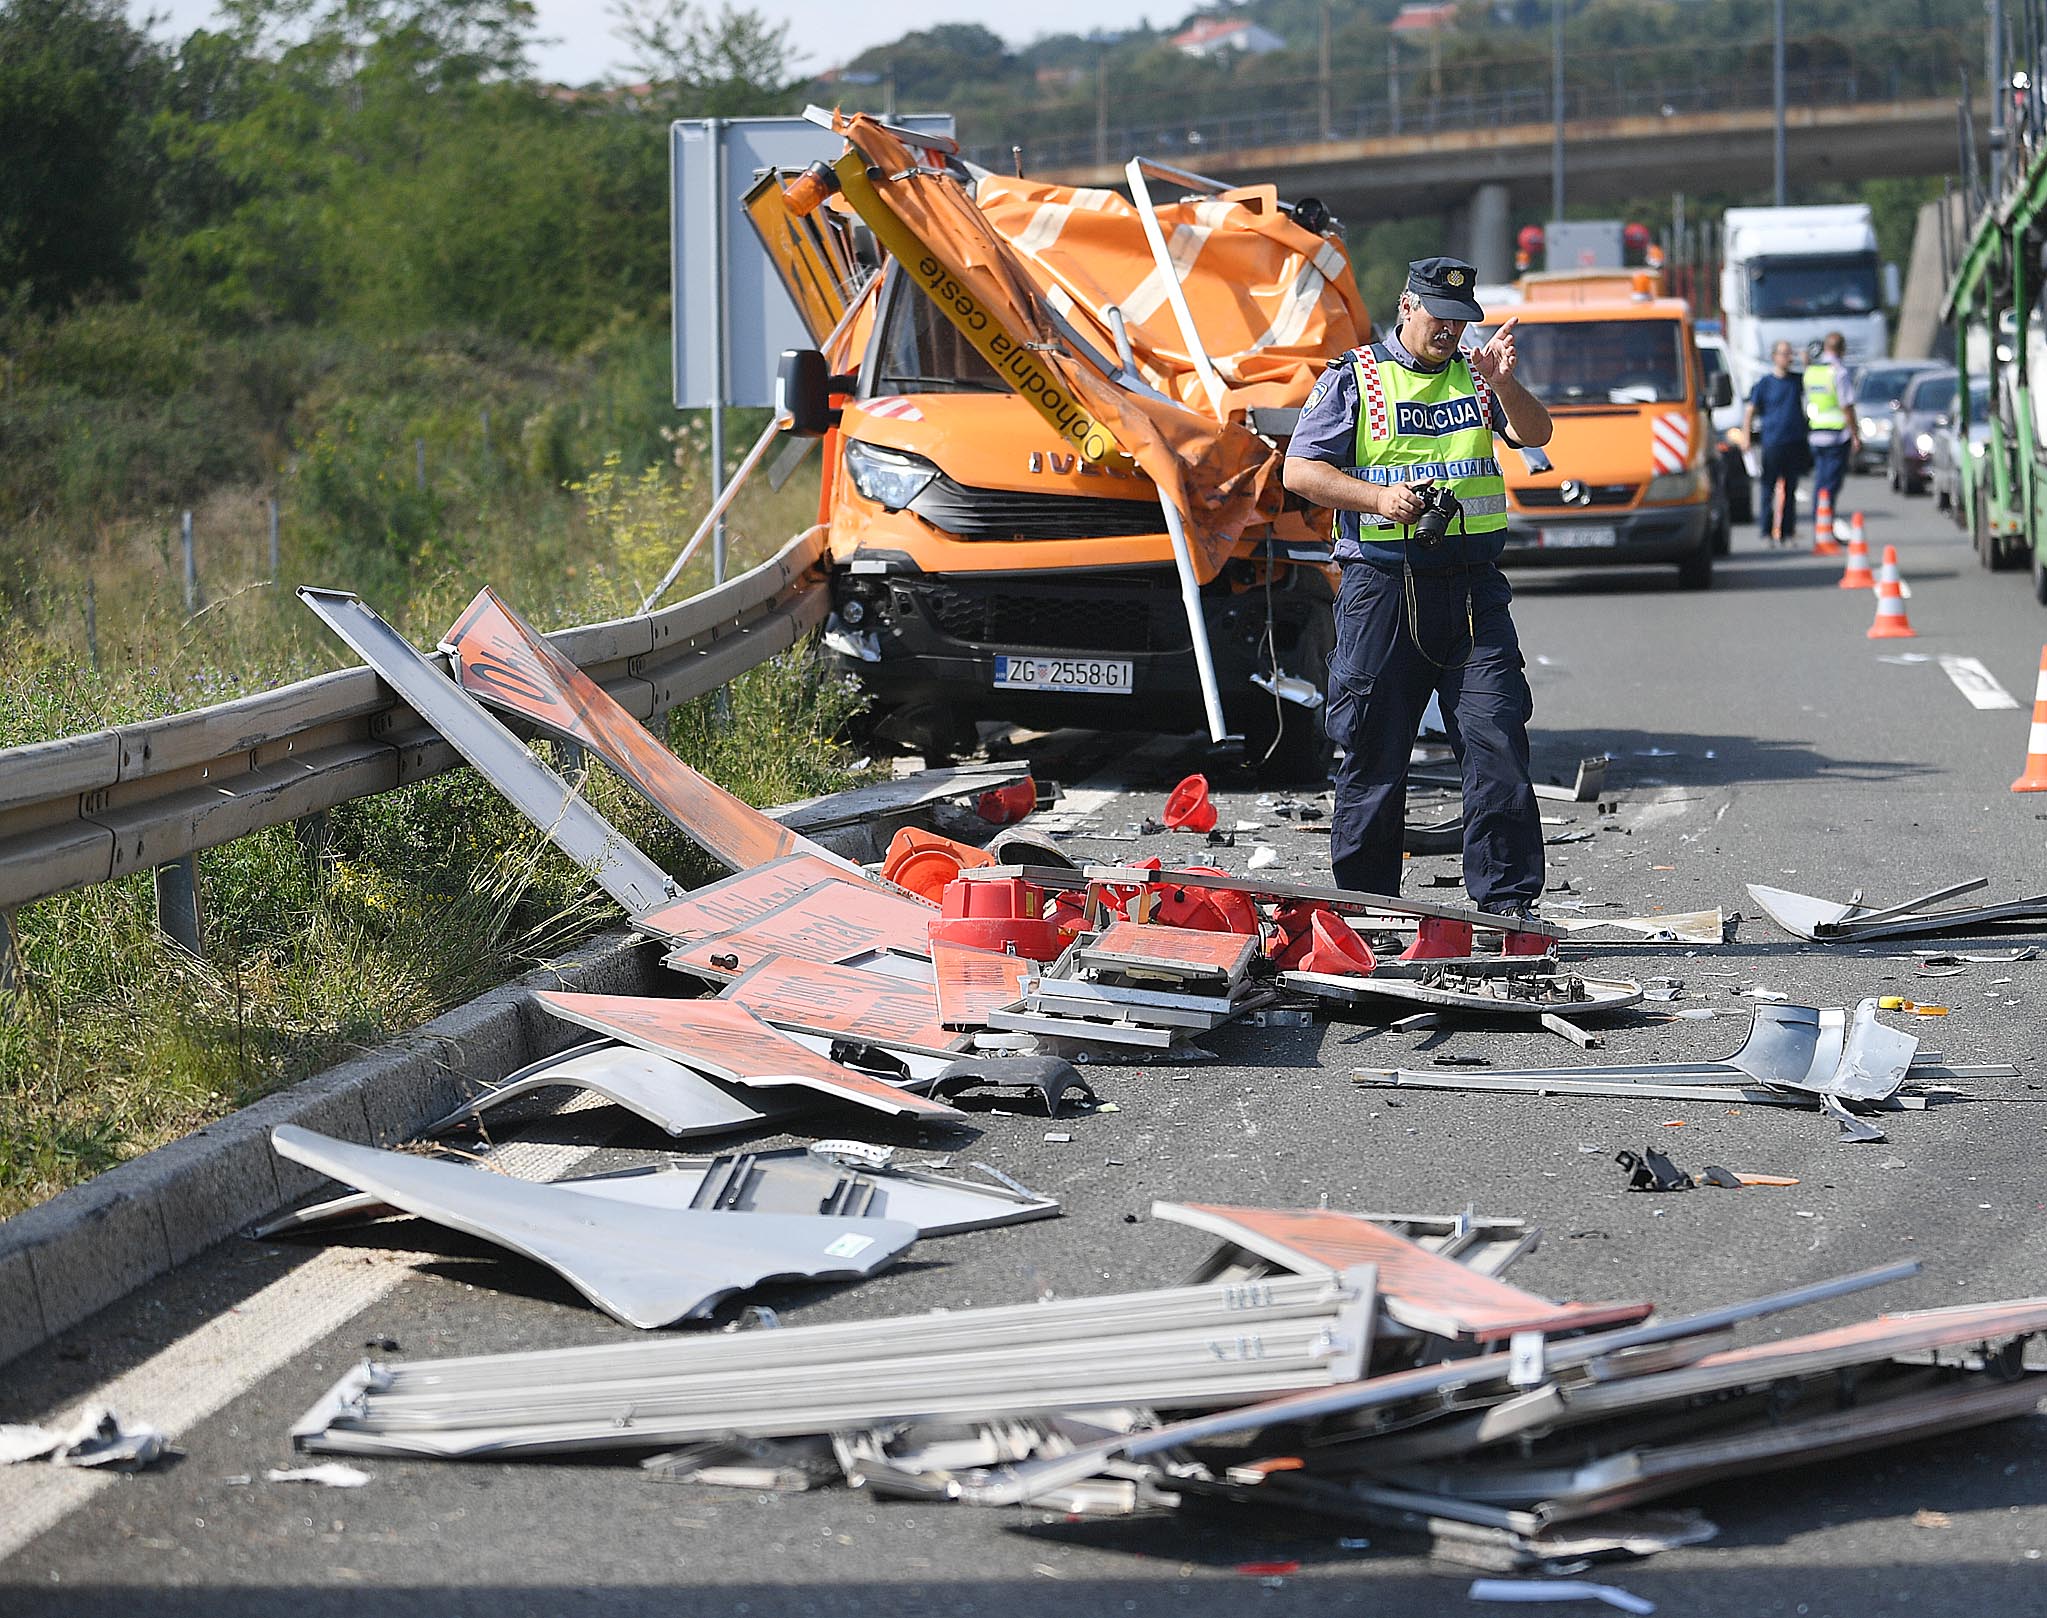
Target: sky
x: 826, y: 32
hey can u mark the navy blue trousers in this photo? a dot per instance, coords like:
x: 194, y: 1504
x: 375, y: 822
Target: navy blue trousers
x: 1787, y: 462
x: 1379, y: 685
x: 1829, y: 467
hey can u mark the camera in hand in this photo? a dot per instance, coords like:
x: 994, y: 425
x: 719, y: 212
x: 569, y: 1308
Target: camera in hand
x: 1439, y: 509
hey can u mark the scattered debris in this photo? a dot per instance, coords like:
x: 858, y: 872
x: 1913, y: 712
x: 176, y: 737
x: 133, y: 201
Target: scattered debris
x: 1539, y: 1590
x: 645, y: 1265
x: 96, y: 1438
x: 328, y: 1475
x: 1823, y: 920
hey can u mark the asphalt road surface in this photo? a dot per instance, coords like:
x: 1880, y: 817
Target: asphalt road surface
x: 1757, y: 736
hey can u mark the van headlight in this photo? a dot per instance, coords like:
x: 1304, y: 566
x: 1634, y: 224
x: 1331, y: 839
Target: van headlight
x: 1976, y: 448
x: 888, y: 477
x: 1673, y: 486
x: 1925, y: 443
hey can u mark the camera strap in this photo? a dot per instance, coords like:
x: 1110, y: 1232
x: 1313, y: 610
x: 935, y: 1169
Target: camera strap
x: 1413, y: 603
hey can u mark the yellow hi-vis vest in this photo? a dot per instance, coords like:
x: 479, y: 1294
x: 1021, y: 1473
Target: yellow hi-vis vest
x: 1421, y: 426
x: 1823, y: 409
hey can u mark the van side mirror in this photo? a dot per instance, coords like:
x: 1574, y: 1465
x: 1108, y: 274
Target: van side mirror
x: 1721, y: 394
x: 803, y: 393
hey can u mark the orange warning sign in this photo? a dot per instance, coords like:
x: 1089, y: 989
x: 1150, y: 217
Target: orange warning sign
x: 1180, y: 949
x: 503, y: 661
x: 729, y: 1042
x: 832, y: 922
x: 1420, y: 1288
x: 842, y: 1001
x: 974, y: 982
x: 740, y: 899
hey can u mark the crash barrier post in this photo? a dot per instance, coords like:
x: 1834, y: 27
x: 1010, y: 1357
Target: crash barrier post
x: 177, y: 905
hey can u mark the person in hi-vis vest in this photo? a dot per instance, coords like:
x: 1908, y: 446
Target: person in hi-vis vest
x: 1830, y: 420
x: 1388, y: 427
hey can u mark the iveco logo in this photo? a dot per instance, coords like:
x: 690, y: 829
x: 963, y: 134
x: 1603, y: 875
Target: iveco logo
x: 1062, y: 465
x: 1575, y: 493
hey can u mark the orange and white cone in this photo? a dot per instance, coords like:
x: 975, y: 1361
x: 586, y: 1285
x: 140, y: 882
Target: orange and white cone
x: 1891, y: 622
x: 1856, y: 575
x: 1823, y: 526
x: 2035, y: 777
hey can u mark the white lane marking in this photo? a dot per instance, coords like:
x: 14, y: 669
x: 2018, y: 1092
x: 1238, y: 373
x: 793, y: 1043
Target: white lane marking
x: 181, y: 1385
x: 1977, y: 683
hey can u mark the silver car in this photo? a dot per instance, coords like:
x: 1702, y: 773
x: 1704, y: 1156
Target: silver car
x: 1879, y: 390
x: 1944, y: 472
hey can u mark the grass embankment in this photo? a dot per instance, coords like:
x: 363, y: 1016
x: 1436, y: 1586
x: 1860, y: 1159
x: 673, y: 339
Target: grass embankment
x: 562, y: 482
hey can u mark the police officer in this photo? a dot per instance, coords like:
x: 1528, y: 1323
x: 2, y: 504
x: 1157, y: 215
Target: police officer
x: 1835, y: 437
x: 1387, y: 424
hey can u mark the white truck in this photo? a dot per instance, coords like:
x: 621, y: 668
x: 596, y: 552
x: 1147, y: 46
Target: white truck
x: 1795, y: 274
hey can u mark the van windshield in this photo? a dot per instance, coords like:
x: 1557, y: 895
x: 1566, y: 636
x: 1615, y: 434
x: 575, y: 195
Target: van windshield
x: 923, y: 352
x: 1791, y: 288
x: 1576, y: 362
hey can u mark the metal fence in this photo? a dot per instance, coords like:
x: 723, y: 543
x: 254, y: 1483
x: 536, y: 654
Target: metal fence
x: 86, y: 809
x: 1293, y: 120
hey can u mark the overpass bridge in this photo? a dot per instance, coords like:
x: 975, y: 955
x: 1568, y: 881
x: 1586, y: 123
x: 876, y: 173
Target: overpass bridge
x: 1480, y: 158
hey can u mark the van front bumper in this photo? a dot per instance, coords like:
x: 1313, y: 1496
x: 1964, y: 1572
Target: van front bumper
x: 1622, y: 538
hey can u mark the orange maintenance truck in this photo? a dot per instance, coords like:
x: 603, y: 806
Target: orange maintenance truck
x: 1015, y: 416
x: 1631, y: 478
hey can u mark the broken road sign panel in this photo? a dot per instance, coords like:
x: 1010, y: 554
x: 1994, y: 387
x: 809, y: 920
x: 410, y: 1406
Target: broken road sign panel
x: 1420, y: 1289
x: 731, y: 1043
x: 830, y: 923
x: 646, y: 1267
x: 736, y: 900
x: 973, y: 982
x: 843, y: 1001
x: 502, y: 660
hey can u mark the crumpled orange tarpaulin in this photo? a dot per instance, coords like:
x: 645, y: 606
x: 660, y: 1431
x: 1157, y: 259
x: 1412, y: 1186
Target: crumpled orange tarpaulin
x: 1219, y: 474
x: 1271, y: 301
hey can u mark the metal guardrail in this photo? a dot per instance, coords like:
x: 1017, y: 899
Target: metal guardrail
x: 87, y: 809
x: 1299, y: 121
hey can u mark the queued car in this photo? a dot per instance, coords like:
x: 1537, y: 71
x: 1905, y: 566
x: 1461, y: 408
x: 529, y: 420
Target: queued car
x: 1944, y: 469
x: 1928, y: 397
x: 1879, y: 389
x: 1735, y: 484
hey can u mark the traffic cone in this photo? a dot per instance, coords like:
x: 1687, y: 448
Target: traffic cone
x: 2035, y: 778
x: 1188, y: 807
x: 1856, y: 575
x: 1823, y: 526
x: 1891, y: 622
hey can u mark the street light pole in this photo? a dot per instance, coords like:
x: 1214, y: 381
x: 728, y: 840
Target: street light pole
x: 1777, y: 76
x: 1556, y: 102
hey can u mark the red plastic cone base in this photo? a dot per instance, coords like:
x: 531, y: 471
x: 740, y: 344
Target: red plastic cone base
x: 1826, y: 547
x: 1188, y: 808
x: 1439, y: 940
x: 2035, y: 778
x: 1337, y: 948
x: 1892, y: 629
x: 1858, y: 578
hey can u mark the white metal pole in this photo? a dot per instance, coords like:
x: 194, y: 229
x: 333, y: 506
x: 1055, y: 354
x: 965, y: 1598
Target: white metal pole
x: 715, y: 131
x: 1197, y: 625
x: 1176, y: 295
x: 714, y: 518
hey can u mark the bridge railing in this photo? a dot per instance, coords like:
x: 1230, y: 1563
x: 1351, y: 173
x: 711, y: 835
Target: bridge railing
x: 1291, y: 115
x: 86, y: 809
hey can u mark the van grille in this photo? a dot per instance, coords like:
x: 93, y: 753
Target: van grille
x: 1005, y: 514
x: 1007, y: 612
x: 1603, y: 494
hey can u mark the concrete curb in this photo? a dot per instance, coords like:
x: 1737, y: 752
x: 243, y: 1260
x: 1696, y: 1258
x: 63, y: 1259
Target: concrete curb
x: 90, y: 1246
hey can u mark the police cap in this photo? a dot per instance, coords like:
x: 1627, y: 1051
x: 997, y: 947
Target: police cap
x: 1444, y: 286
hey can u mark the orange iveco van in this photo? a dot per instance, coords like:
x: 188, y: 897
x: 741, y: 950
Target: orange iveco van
x: 1632, y: 478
